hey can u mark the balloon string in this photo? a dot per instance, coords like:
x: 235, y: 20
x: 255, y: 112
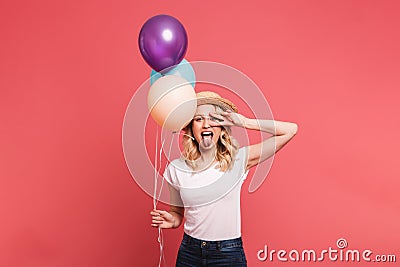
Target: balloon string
x: 155, y: 172
x: 176, y: 132
x: 158, y: 171
x: 156, y: 163
x: 161, y: 241
x: 157, y: 168
x: 168, y: 156
x: 161, y: 236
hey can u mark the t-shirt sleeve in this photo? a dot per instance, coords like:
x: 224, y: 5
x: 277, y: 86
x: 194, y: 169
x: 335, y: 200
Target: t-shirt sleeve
x: 170, y: 177
x: 167, y: 174
x: 175, y: 196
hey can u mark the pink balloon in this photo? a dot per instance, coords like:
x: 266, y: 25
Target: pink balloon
x: 172, y: 102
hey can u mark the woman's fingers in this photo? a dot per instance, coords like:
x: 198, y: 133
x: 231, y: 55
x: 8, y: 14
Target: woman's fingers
x: 223, y: 115
x: 161, y: 219
x: 157, y: 215
x: 161, y: 215
x: 157, y: 212
x: 221, y: 119
x: 230, y: 118
x: 216, y: 115
x: 157, y: 218
x: 157, y: 221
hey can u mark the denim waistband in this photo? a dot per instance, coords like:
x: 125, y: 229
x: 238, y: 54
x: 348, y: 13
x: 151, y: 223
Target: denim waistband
x: 235, y: 242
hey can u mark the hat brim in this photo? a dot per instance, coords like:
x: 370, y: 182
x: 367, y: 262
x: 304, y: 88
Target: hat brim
x: 221, y: 102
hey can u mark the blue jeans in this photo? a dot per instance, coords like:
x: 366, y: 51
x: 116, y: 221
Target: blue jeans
x: 196, y: 252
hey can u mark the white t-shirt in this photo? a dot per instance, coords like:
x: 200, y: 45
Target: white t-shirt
x: 211, y: 197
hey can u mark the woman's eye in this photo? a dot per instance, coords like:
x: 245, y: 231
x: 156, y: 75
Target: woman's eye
x: 216, y: 119
x: 198, y: 119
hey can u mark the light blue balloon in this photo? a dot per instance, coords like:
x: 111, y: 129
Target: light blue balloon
x: 183, y: 69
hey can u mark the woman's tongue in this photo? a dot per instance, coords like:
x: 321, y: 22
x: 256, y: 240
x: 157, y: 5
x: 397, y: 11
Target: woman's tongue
x: 207, y: 140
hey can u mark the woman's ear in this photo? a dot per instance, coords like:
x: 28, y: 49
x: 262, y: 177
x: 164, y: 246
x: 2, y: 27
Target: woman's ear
x: 223, y: 135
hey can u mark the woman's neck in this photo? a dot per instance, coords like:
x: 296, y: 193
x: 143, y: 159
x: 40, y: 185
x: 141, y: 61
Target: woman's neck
x: 207, y: 158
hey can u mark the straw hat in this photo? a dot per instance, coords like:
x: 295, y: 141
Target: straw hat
x: 208, y: 97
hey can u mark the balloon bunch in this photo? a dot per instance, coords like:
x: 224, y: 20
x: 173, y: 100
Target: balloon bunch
x: 171, y: 99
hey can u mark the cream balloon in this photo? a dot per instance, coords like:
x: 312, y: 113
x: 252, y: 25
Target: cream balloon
x: 172, y: 102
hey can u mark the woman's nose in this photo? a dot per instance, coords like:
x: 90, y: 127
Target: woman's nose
x: 206, y: 122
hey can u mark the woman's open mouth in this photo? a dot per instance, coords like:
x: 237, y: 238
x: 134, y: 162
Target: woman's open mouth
x: 207, y: 138
x: 207, y: 135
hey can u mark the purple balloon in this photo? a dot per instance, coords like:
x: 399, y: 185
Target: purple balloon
x: 162, y: 42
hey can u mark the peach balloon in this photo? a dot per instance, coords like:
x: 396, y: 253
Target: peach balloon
x: 172, y: 102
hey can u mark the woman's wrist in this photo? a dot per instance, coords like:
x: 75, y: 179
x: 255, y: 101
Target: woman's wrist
x: 247, y: 123
x: 241, y: 121
x: 176, y: 220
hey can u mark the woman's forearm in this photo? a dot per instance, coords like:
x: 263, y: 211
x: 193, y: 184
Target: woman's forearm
x: 271, y: 126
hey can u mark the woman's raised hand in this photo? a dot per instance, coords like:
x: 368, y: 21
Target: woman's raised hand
x: 228, y: 118
x: 162, y: 219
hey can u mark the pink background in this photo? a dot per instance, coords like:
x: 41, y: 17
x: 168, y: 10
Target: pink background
x: 69, y: 69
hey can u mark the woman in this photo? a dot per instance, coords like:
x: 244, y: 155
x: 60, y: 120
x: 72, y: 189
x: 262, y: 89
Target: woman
x: 205, y: 183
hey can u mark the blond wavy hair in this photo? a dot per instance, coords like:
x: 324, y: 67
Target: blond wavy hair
x: 227, y: 148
